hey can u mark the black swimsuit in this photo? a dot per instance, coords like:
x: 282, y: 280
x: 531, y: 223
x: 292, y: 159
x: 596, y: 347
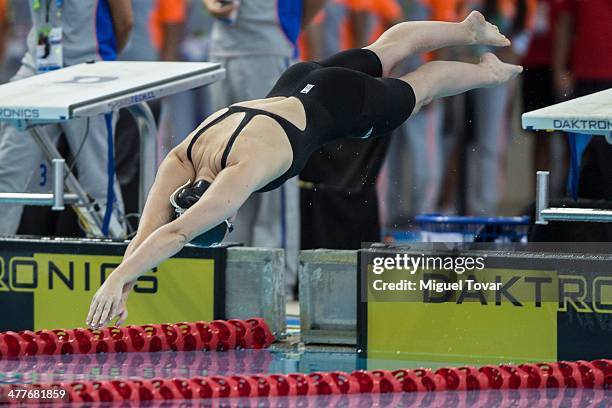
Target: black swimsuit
x: 343, y: 96
x: 250, y: 113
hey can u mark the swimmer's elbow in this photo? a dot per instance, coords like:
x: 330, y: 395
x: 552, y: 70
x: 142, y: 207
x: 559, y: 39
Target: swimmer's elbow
x: 181, y: 239
x: 177, y: 236
x: 178, y: 154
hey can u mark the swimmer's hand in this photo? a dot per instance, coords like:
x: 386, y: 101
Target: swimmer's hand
x: 109, y: 302
x: 220, y: 9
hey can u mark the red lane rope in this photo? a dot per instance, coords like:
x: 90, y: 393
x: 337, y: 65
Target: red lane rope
x: 579, y: 374
x: 216, y: 335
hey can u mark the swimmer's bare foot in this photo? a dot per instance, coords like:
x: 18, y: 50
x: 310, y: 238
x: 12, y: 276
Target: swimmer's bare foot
x: 483, y: 32
x: 499, y: 71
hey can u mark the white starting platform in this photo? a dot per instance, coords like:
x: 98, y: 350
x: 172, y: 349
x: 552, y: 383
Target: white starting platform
x: 591, y: 114
x: 92, y: 89
x: 587, y: 115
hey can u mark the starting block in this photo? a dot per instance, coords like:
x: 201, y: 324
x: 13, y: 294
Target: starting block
x: 591, y: 115
x: 587, y: 116
x: 49, y: 283
x: 537, y: 305
x: 93, y: 89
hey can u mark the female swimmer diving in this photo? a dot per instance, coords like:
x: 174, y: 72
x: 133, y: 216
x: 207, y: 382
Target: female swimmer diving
x: 257, y: 145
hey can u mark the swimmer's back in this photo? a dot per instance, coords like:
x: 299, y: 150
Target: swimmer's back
x: 262, y: 138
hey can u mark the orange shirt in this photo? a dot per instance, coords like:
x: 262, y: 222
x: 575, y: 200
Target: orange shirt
x: 443, y: 10
x: 388, y: 12
x: 356, y: 5
x: 166, y: 12
x: 386, y: 9
x: 3, y: 11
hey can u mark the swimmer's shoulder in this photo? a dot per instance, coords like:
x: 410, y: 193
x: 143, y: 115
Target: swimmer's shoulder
x: 179, y: 153
x: 211, y: 118
x: 181, y: 149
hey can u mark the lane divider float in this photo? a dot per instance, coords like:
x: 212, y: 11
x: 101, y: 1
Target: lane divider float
x: 579, y: 374
x: 217, y: 335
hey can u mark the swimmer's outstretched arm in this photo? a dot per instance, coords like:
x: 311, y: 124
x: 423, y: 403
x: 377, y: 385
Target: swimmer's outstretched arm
x: 222, y: 200
x: 415, y: 37
x: 172, y: 173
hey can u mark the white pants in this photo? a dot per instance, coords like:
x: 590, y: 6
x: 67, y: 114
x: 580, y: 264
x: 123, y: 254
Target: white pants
x: 23, y: 166
x: 486, y: 160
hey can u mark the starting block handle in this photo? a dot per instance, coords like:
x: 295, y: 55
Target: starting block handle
x: 542, y: 198
x: 57, y: 199
x: 545, y: 214
x: 58, y: 184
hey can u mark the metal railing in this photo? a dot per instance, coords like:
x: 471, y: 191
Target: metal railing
x: 544, y: 214
x: 56, y: 199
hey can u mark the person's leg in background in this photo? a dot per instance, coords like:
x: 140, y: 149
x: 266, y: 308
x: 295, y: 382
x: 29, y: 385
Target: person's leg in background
x: 549, y: 152
x: 537, y: 91
x: 452, y: 134
x: 335, y: 13
x: 393, y: 183
x: 439, y: 79
x: 20, y: 158
x: 425, y: 143
x: 221, y: 93
x: 491, y: 124
x: 414, y: 158
x: 596, y: 172
x: 413, y: 168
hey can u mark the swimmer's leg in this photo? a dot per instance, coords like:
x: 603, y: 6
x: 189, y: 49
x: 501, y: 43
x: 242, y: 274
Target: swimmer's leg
x: 439, y: 79
x: 414, y: 37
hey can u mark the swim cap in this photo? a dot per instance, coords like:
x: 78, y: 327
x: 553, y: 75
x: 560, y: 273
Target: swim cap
x: 186, y: 196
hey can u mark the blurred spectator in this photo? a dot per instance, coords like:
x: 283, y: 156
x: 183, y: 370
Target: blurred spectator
x: 583, y: 65
x: 140, y: 47
x: 110, y: 23
x: 339, y: 202
x: 537, y: 79
x: 15, y: 41
x: 486, y: 118
x: 4, y: 27
x: 158, y: 30
x: 412, y: 176
x: 167, y: 26
x: 256, y: 42
x: 194, y: 104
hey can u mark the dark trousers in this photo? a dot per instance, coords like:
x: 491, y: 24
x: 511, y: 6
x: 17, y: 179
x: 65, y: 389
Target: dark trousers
x: 339, y: 207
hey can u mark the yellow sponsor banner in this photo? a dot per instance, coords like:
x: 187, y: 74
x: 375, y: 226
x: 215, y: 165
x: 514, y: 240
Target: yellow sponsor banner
x: 513, y: 321
x: 180, y: 289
